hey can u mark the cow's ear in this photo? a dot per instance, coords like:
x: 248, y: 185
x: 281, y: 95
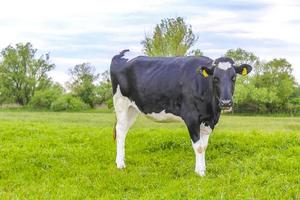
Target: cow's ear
x: 205, y: 71
x: 243, y: 69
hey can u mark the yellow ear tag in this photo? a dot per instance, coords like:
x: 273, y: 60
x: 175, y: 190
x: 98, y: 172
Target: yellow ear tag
x: 204, y: 73
x: 244, y: 72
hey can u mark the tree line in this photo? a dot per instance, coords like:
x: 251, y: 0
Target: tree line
x: 24, y: 79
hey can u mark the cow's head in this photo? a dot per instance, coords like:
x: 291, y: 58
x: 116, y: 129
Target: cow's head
x: 223, y: 74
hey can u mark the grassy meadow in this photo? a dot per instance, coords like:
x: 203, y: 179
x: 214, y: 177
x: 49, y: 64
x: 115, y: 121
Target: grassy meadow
x: 48, y: 155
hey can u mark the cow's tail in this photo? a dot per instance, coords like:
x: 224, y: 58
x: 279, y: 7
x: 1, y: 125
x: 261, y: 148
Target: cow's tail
x: 115, y: 131
x: 119, y: 58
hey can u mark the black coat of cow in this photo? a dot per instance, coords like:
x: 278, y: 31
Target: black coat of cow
x: 173, y: 84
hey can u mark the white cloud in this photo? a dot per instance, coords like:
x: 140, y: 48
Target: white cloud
x: 64, y: 27
x: 273, y: 23
x: 59, y: 76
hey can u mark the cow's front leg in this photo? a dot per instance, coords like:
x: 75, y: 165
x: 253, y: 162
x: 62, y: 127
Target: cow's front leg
x: 194, y: 129
x: 199, y: 134
x: 200, y: 148
x: 199, y: 157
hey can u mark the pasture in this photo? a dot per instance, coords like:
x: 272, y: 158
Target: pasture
x: 48, y: 155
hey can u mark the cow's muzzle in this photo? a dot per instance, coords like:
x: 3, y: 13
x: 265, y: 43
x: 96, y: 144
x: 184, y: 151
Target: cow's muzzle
x: 226, y: 104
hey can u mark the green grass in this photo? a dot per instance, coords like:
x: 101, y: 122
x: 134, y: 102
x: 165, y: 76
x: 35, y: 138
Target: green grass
x: 47, y: 155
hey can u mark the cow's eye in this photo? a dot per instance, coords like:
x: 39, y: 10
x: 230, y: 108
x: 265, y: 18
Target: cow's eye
x: 233, y: 78
x: 216, y: 79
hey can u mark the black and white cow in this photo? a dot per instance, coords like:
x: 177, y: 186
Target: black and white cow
x: 191, y: 89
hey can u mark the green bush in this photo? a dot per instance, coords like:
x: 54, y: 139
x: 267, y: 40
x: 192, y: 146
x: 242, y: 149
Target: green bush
x: 43, y: 99
x: 109, y: 103
x: 295, y: 101
x: 68, y: 103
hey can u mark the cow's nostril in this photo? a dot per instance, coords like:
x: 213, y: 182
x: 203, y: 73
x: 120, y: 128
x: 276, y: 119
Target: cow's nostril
x: 226, y: 103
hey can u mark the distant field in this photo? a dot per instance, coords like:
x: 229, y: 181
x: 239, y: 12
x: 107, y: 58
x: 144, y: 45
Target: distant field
x: 71, y: 156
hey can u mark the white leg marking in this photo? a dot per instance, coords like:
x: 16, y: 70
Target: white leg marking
x: 199, y: 149
x: 200, y: 160
x: 126, y: 113
x: 204, y: 134
x: 121, y: 129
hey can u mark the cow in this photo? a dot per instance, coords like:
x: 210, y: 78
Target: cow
x: 192, y: 89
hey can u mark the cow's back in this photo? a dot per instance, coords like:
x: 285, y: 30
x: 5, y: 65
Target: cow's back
x: 157, y: 83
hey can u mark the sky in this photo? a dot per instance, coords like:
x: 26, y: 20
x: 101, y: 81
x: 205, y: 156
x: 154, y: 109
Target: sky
x: 93, y: 31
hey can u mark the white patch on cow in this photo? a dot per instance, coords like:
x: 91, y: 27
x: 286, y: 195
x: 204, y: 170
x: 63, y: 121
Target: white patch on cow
x: 163, y: 117
x: 205, y: 129
x: 126, y: 113
x: 204, y: 134
x: 122, y: 102
x: 200, y: 148
x: 224, y: 65
x: 199, y: 157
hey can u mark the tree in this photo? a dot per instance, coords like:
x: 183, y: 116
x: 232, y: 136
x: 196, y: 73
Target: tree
x: 241, y: 56
x: 172, y: 37
x: 104, y: 90
x: 268, y: 89
x: 277, y: 77
x: 196, y: 52
x: 82, y: 84
x: 21, y: 73
x: 297, y: 91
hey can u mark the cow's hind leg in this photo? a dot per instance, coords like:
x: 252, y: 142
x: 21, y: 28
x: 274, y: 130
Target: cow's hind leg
x: 125, y: 118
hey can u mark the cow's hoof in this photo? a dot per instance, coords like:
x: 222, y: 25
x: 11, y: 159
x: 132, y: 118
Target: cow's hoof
x: 200, y: 172
x: 121, y: 165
